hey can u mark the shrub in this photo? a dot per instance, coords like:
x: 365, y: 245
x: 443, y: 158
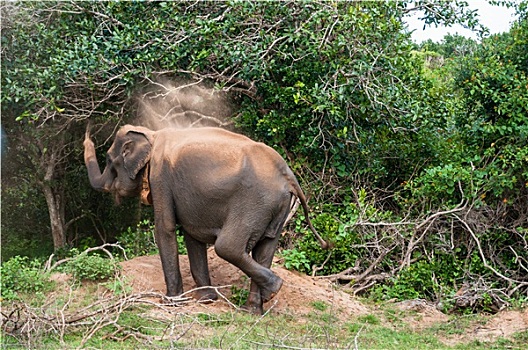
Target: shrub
x: 239, y: 296
x: 22, y: 275
x: 416, y: 281
x: 92, y: 267
x: 296, y: 260
x: 140, y: 240
x: 339, y: 225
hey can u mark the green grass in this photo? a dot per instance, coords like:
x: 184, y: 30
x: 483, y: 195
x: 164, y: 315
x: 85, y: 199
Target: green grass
x: 145, y: 325
x: 457, y: 325
x: 137, y: 328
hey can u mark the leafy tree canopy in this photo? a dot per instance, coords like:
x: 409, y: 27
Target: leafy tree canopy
x: 380, y: 137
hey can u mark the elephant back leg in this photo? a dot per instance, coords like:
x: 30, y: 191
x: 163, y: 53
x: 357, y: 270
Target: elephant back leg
x: 233, y: 245
x: 263, y: 254
x: 259, y: 234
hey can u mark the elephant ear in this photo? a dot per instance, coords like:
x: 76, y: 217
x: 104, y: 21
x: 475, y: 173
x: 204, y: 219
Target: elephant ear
x: 136, y: 152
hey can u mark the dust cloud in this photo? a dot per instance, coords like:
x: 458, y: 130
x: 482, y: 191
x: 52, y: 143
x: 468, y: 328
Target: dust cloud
x: 184, y: 104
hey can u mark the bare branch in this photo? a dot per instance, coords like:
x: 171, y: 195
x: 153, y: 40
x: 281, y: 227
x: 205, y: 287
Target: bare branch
x: 48, y: 267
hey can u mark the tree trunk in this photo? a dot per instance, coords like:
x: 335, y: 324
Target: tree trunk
x: 54, y: 193
x: 56, y: 213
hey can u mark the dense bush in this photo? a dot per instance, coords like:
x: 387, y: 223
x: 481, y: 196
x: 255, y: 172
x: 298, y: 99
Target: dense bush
x: 22, y: 276
x: 90, y: 267
x: 140, y: 240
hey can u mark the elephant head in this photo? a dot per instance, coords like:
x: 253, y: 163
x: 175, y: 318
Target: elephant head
x: 125, y: 162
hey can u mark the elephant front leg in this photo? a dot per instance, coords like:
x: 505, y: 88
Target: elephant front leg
x: 197, y: 253
x: 165, y: 227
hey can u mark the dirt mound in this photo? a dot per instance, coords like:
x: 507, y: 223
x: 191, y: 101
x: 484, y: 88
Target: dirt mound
x: 501, y: 325
x: 420, y: 315
x: 301, y: 295
x: 297, y: 295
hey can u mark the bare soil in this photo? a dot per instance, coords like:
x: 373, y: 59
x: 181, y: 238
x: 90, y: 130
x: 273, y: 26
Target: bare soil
x: 297, y: 295
x: 300, y: 294
x: 420, y: 315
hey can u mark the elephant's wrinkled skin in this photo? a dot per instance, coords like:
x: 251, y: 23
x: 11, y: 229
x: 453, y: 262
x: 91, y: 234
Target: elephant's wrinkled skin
x: 222, y: 188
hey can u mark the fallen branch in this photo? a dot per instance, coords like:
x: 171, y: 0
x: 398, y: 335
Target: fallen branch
x: 346, y: 276
x: 48, y: 267
x: 27, y: 322
x: 483, y: 256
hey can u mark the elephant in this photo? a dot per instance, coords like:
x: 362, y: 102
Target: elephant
x: 221, y: 188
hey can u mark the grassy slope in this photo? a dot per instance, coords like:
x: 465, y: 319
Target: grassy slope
x: 146, y: 325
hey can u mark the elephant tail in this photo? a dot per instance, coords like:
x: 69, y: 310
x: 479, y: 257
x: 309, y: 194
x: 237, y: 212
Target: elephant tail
x: 297, y: 192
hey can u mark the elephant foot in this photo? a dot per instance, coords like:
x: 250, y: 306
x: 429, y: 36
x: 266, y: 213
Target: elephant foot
x: 268, y: 291
x: 206, y: 295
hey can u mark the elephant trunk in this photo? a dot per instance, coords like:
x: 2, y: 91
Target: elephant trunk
x: 100, y: 182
